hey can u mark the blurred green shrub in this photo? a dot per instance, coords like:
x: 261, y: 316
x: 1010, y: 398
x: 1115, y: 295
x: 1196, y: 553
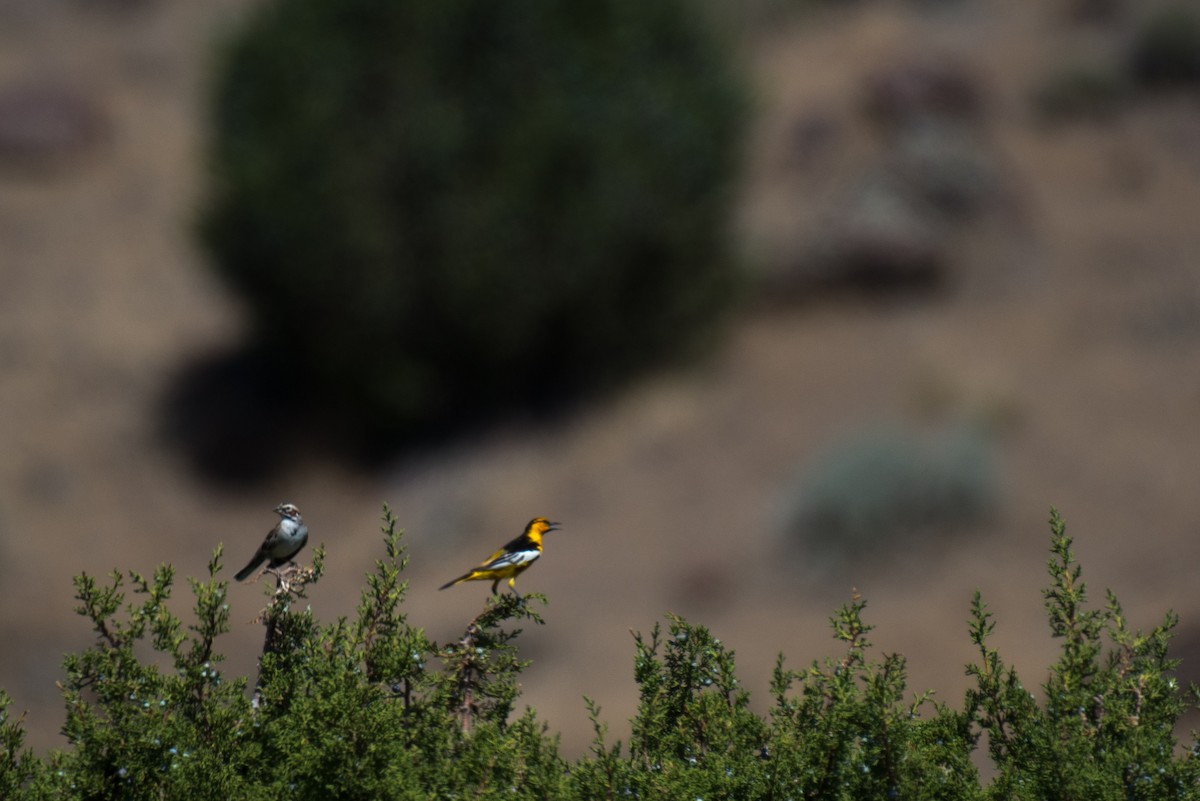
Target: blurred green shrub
x: 436, y: 208
x: 1081, y: 92
x: 889, y: 488
x: 1166, y: 48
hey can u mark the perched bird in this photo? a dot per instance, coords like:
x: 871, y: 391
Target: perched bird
x: 282, y: 543
x: 511, y: 560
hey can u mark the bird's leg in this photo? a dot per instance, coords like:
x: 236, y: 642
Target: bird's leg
x: 495, y: 584
x: 284, y: 574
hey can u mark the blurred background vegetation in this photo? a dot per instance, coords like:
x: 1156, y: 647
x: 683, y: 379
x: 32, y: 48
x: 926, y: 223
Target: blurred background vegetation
x: 438, y: 210
x: 763, y: 300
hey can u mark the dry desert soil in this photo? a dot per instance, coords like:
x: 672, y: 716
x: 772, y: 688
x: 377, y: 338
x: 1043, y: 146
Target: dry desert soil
x: 1071, y: 320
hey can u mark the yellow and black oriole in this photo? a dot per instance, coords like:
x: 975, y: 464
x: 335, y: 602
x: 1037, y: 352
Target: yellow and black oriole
x: 511, y: 560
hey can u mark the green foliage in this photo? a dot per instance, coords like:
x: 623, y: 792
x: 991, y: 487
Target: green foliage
x: 1105, y: 729
x: 347, y: 710
x: 17, y: 765
x: 143, y: 728
x: 888, y: 488
x: 370, y: 708
x: 1095, y: 92
x: 439, y: 207
x: 850, y: 734
x: 694, y: 735
x: 352, y: 710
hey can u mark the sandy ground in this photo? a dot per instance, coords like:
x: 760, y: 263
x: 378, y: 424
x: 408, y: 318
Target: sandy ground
x: 1079, y: 316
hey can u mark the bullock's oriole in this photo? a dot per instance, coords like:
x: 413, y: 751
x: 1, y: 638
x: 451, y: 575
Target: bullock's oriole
x: 511, y: 560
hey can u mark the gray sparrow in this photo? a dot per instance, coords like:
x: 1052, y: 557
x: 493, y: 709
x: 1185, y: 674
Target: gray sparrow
x: 282, y: 543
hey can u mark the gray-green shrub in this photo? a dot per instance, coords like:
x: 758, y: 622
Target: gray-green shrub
x: 370, y: 708
x: 890, y: 487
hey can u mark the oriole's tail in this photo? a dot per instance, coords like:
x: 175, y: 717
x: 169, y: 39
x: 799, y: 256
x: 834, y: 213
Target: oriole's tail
x: 458, y: 580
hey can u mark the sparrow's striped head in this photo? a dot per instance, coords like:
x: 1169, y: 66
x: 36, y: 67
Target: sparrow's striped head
x: 288, y: 510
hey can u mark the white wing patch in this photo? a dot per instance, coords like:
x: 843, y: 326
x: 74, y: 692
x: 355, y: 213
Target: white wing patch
x: 514, y: 559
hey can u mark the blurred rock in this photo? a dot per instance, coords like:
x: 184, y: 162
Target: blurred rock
x: 900, y: 93
x: 703, y: 586
x: 880, y: 239
x: 48, y: 482
x: 46, y: 127
x: 813, y: 137
x: 117, y: 7
x: 897, y: 227
x: 1096, y: 11
x: 897, y: 223
x: 947, y: 165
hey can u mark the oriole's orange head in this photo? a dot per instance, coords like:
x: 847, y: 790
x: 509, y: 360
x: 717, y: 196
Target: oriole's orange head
x: 539, y: 526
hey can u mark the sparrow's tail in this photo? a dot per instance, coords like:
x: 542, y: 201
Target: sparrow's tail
x: 245, y: 572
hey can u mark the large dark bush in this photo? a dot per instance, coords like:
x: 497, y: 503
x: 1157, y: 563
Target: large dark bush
x: 439, y: 207
x: 1166, y: 49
